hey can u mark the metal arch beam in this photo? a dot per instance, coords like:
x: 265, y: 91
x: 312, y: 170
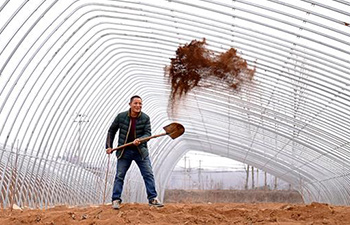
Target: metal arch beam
x: 284, y: 21
x: 26, y: 34
x: 298, y: 17
x: 270, y: 130
x: 309, y: 11
x: 244, y: 111
x: 286, y: 102
x: 238, y: 154
x: 266, y: 25
x: 257, y: 165
x: 329, y: 7
x: 223, y: 31
x: 190, y: 146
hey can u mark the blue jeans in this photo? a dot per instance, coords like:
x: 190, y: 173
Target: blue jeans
x: 123, y: 164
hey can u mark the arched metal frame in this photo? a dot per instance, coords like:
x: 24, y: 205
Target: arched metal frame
x: 67, y: 68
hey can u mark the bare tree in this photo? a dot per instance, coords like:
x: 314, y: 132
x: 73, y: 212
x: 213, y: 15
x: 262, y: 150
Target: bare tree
x: 253, y: 185
x: 247, y: 177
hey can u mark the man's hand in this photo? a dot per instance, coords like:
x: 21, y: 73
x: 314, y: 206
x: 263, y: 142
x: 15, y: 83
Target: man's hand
x: 136, y: 142
x: 109, y: 150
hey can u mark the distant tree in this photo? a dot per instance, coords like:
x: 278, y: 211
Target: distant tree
x: 247, y: 177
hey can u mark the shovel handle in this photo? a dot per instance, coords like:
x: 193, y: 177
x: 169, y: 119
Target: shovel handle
x: 141, y: 140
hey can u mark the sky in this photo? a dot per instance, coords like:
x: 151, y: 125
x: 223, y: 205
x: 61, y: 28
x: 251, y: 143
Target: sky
x: 203, y: 160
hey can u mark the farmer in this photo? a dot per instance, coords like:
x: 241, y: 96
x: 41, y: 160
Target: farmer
x: 132, y: 125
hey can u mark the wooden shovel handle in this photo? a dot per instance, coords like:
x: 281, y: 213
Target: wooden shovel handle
x: 141, y: 140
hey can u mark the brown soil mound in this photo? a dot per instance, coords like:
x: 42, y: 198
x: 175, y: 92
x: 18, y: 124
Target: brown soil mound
x: 218, y: 213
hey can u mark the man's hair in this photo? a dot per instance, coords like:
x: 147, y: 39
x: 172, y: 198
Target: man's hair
x: 135, y: 96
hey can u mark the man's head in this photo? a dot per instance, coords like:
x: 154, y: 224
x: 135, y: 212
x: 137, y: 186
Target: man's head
x: 135, y: 105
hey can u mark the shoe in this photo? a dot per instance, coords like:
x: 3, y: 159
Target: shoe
x: 155, y: 202
x: 116, y: 204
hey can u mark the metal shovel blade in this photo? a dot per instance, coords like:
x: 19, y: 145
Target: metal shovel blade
x: 174, y: 130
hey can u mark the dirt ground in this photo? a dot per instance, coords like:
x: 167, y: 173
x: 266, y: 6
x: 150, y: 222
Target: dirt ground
x: 179, y: 213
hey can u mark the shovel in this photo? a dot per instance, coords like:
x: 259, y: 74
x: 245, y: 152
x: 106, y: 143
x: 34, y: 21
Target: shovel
x: 174, y: 130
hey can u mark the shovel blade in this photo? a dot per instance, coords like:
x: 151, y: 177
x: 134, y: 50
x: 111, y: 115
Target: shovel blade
x: 174, y: 130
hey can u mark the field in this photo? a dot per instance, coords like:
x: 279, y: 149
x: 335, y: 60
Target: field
x: 180, y: 213
x: 250, y: 207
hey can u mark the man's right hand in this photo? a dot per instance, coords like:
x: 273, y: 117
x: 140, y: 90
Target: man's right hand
x: 109, y: 150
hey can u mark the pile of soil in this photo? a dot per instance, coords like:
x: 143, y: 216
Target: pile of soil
x: 178, y: 213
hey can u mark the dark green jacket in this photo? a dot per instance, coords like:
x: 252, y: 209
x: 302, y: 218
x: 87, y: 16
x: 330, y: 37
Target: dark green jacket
x: 122, y: 123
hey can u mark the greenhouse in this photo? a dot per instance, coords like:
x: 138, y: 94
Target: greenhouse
x: 67, y: 68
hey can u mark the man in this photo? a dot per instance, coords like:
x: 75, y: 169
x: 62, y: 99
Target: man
x: 132, y: 125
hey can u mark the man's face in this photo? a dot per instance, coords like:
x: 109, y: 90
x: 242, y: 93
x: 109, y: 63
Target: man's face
x: 136, y: 105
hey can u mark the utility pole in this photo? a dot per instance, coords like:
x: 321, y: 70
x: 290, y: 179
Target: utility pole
x: 79, y: 119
